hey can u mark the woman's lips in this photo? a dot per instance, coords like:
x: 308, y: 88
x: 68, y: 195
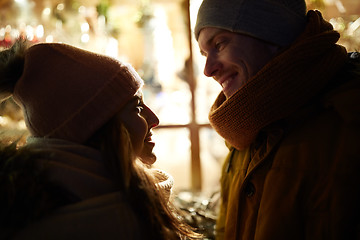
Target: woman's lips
x: 148, y: 138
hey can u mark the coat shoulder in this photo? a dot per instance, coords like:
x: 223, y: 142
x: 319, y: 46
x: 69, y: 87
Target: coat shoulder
x: 104, y: 217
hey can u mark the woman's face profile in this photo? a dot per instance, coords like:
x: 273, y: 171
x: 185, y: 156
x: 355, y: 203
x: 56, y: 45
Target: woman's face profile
x: 139, y: 120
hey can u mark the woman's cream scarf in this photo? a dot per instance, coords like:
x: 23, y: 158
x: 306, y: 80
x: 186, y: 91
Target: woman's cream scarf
x: 289, y: 81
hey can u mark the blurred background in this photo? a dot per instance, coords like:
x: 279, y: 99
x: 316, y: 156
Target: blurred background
x: 155, y: 36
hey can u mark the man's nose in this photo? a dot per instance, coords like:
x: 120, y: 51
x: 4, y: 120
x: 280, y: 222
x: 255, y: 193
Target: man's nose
x: 212, y: 66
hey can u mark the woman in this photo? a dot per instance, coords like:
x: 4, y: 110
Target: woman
x: 83, y: 172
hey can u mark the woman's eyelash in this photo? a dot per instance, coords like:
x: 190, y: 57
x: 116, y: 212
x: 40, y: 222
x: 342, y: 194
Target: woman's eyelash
x: 139, y: 108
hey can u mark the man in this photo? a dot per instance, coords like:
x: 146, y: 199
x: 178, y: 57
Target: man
x: 290, y: 114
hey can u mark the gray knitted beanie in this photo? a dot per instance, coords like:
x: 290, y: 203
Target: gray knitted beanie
x: 274, y: 21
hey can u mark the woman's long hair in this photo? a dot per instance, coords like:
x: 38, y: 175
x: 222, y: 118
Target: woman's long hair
x: 156, y: 215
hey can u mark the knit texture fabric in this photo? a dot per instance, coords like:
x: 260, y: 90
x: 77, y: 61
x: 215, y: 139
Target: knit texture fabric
x: 275, y: 21
x: 76, y: 168
x: 289, y: 81
x: 68, y: 93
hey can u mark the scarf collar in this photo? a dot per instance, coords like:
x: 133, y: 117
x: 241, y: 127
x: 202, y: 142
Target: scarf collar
x: 163, y: 181
x: 286, y: 83
x: 75, y: 167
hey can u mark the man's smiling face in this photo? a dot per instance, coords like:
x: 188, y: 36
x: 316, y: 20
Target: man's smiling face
x: 233, y: 58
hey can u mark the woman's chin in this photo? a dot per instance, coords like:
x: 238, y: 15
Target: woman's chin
x: 149, y: 160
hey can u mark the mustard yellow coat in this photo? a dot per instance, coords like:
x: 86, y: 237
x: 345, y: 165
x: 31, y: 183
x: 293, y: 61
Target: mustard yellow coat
x: 301, y: 178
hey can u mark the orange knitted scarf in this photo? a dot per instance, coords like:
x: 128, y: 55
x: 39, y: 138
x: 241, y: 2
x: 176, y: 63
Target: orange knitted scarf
x: 287, y: 82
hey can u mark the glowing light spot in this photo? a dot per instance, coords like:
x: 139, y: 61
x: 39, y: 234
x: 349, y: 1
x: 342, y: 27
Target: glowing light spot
x: 46, y: 11
x: 49, y: 39
x: 85, y: 27
x: 40, y: 31
x: 60, y: 7
x: 85, y: 38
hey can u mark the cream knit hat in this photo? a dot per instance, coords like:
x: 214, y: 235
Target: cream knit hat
x: 69, y: 93
x: 275, y: 21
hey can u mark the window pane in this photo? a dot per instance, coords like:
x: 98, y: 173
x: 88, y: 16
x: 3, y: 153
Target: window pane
x: 172, y: 149
x: 213, y: 153
x: 207, y: 90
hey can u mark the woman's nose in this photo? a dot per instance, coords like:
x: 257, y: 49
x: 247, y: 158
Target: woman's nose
x: 152, y: 119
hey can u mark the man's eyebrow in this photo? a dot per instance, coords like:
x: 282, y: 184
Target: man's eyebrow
x: 210, y: 40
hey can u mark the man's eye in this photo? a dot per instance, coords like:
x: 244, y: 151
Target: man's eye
x: 218, y: 45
